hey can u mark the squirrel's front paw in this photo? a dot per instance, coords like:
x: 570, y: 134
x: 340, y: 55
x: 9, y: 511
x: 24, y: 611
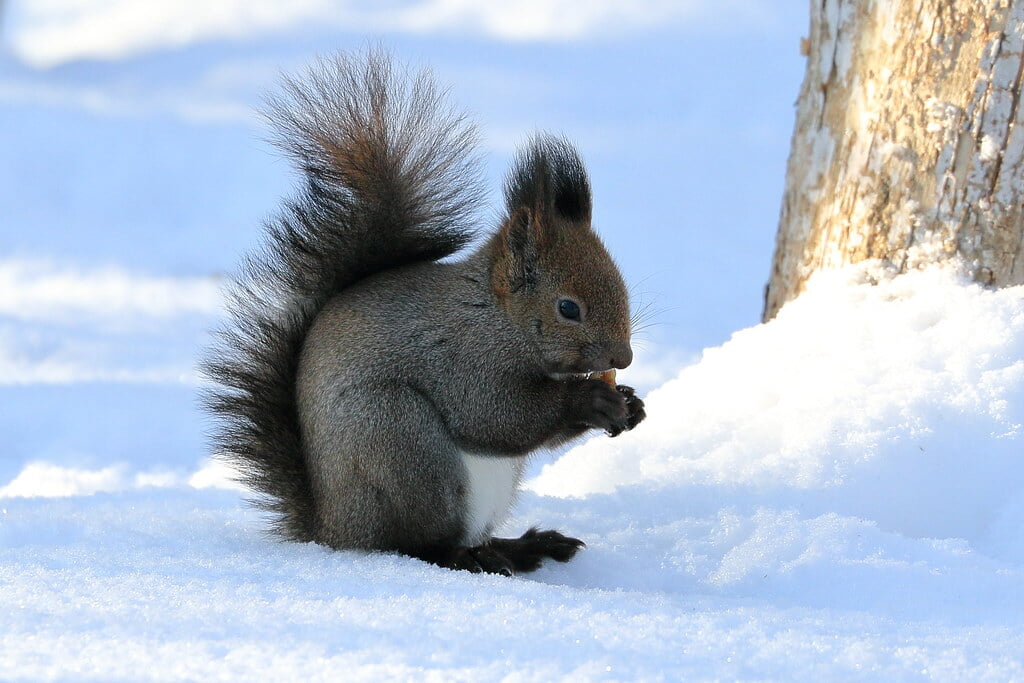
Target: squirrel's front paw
x: 601, y: 406
x: 634, y: 408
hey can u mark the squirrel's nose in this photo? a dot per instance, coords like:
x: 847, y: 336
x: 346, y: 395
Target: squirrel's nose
x: 621, y: 356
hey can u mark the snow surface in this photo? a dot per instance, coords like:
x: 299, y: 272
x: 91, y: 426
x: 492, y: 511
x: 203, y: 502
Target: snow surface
x: 63, y: 325
x: 831, y: 496
x: 835, y: 495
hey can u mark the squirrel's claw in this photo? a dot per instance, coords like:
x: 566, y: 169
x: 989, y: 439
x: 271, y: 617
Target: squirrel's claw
x: 635, y: 412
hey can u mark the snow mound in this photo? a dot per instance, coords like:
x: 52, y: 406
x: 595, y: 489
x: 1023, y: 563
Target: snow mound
x: 834, y: 495
x: 897, y: 400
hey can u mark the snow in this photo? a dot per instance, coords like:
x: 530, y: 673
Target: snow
x: 35, y: 290
x: 989, y: 149
x: 63, y: 325
x: 53, y: 32
x: 942, y: 116
x: 835, y: 495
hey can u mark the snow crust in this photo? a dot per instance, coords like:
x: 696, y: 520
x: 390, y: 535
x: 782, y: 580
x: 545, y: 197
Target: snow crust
x: 835, y: 495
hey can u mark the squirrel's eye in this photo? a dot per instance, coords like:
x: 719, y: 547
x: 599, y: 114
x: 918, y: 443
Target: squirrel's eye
x: 569, y: 309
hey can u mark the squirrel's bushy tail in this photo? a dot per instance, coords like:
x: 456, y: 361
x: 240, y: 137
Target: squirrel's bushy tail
x: 391, y: 177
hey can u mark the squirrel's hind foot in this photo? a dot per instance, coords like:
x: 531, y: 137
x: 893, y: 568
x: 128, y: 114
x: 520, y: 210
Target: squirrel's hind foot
x: 527, y: 552
x: 478, y: 559
x: 505, y: 556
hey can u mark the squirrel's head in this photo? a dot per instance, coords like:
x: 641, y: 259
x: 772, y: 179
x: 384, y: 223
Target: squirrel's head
x: 551, y: 273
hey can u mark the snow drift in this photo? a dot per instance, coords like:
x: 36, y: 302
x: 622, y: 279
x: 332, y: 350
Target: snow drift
x: 836, y: 494
x: 897, y: 402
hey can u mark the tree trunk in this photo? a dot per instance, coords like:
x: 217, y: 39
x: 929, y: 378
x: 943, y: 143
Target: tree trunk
x: 908, y: 144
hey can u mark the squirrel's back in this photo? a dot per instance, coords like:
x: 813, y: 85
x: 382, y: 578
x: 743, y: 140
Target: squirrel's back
x: 380, y: 398
x: 391, y: 177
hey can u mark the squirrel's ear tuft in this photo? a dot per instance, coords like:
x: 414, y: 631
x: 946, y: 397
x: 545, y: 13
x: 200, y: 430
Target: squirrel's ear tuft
x: 549, y: 176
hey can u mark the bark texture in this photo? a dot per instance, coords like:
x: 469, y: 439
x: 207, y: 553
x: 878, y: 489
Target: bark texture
x: 908, y: 145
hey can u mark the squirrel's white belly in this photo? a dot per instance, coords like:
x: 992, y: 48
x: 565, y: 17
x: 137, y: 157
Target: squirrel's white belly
x: 491, y: 485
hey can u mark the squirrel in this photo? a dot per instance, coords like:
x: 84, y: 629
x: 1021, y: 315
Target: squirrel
x: 378, y: 397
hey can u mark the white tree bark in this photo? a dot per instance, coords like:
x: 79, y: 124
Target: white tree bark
x: 908, y: 145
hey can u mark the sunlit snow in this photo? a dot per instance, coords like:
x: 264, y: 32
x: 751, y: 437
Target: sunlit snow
x: 838, y: 493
